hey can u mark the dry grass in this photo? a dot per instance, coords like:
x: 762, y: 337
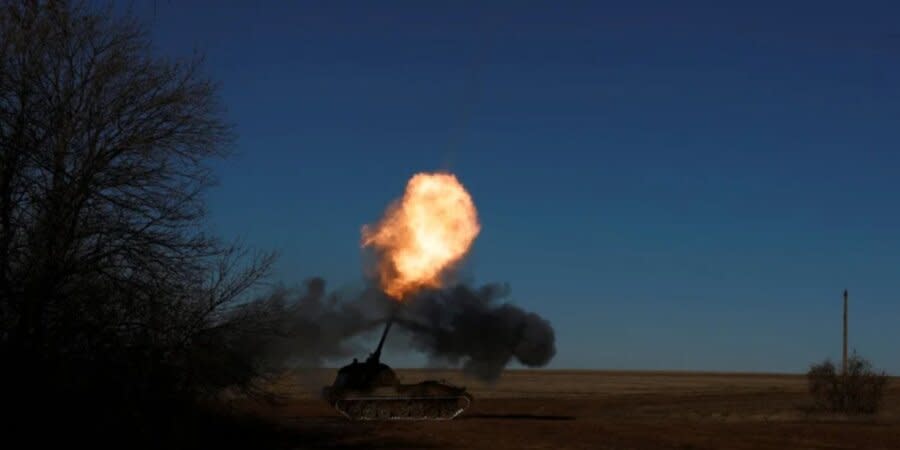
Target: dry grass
x: 601, y: 409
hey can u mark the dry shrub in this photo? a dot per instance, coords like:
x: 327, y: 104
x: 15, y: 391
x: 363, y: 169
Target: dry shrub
x: 859, y: 391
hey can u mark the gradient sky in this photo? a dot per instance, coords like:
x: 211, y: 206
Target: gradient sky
x: 683, y: 186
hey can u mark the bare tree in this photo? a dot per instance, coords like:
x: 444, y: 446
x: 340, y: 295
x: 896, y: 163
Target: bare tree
x: 104, y: 261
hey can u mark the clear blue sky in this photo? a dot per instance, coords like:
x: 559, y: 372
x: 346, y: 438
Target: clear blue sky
x: 675, y: 185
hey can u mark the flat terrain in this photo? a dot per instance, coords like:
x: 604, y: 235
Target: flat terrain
x: 598, y: 410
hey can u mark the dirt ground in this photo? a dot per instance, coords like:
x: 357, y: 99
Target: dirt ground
x: 598, y: 410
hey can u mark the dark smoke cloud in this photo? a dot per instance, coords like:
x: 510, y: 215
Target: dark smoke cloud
x: 473, y: 328
x: 307, y: 326
x: 463, y: 326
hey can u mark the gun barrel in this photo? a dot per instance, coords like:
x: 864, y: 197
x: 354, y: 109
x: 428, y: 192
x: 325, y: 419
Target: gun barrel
x: 384, y: 334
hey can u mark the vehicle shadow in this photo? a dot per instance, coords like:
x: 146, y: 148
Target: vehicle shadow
x: 515, y: 417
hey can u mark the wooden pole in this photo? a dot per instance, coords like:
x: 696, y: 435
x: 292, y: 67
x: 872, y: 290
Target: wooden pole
x: 844, y: 359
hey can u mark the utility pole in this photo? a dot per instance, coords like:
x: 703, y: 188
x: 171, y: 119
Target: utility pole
x: 844, y: 359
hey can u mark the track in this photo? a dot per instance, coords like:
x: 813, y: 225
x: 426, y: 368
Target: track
x: 402, y: 408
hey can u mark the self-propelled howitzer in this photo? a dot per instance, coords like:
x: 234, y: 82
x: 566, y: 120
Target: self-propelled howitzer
x: 370, y: 390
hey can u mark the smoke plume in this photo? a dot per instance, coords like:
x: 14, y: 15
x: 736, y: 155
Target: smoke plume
x: 463, y: 326
x: 474, y: 328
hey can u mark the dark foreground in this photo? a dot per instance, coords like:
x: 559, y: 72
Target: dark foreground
x: 597, y: 410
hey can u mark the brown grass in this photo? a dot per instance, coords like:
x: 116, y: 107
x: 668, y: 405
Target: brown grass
x: 599, y: 410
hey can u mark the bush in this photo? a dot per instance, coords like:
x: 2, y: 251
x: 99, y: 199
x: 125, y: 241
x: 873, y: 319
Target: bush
x: 859, y: 391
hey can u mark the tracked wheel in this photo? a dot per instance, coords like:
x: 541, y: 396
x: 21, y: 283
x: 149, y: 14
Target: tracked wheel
x: 402, y: 408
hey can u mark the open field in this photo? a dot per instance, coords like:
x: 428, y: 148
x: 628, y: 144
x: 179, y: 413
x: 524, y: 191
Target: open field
x: 599, y: 410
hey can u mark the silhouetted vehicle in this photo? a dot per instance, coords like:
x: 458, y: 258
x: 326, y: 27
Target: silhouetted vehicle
x: 371, y: 391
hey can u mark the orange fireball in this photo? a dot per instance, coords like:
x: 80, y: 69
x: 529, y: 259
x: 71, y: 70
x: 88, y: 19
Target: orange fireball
x: 423, y: 234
